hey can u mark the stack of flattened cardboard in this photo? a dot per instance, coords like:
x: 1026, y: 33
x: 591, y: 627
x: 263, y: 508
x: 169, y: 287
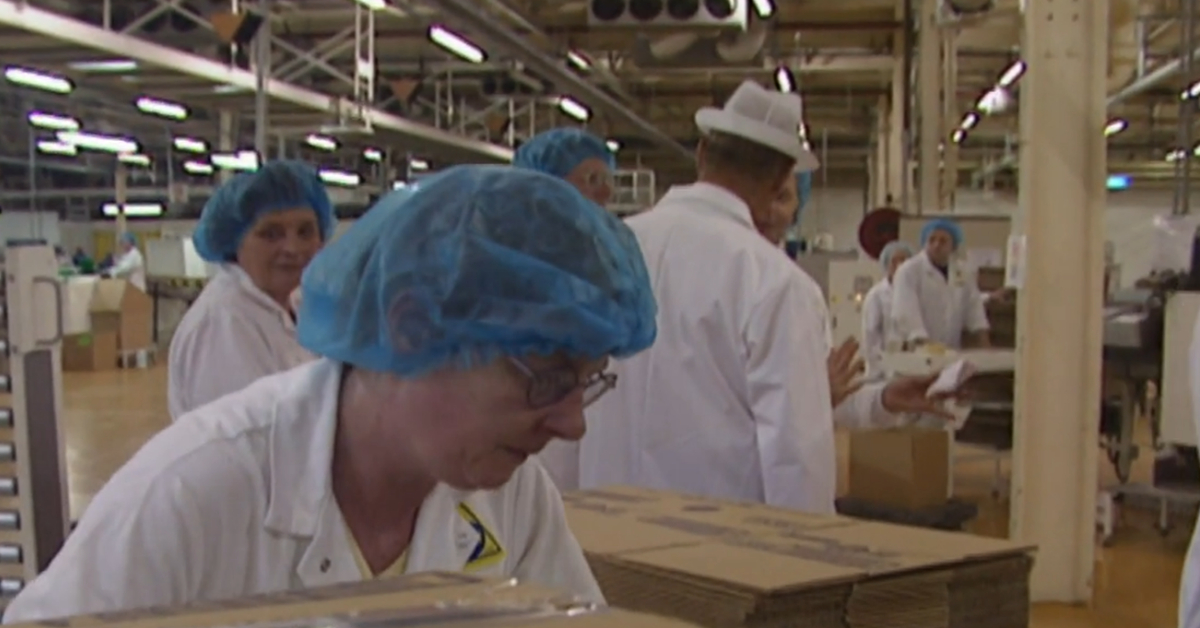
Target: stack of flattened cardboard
x: 723, y: 565
x: 428, y: 599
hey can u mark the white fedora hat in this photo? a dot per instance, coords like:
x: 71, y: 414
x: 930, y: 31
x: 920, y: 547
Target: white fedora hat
x: 768, y: 118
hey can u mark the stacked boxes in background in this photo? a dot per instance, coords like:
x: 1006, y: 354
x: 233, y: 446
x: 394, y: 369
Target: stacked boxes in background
x: 104, y: 318
x: 730, y: 565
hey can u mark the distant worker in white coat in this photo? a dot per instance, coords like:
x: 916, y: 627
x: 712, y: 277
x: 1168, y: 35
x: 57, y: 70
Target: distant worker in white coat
x: 878, y: 328
x: 1189, y: 586
x: 934, y: 299
x: 733, y: 400
x: 128, y: 263
x: 586, y: 162
x: 463, y: 323
x: 261, y: 229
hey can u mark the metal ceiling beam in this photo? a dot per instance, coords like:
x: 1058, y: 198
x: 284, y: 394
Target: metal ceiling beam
x: 22, y: 16
x: 467, y: 13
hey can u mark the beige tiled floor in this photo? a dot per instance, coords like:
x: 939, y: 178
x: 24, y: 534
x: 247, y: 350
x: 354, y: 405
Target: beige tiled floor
x: 110, y: 414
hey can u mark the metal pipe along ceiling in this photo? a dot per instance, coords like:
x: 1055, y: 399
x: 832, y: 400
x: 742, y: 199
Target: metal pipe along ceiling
x: 467, y: 13
x: 1150, y: 79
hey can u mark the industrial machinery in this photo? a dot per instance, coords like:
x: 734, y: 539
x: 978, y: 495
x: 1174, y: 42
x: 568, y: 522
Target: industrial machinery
x: 34, y: 515
x: 844, y: 279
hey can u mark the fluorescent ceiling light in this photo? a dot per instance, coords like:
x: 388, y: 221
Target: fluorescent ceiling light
x: 613, y: 145
x: 141, y: 210
x: 784, y: 81
x: 53, y: 122
x: 374, y: 5
x: 764, y: 8
x: 456, y: 44
x: 197, y: 167
x: 134, y: 159
x: 321, y: 142
x: 399, y: 185
x: 38, y: 80
x: 161, y: 108
x: 574, y: 108
x: 1175, y: 155
x: 246, y: 160
x: 1114, y: 127
x: 229, y: 89
x: 969, y: 121
x: 52, y: 147
x: 958, y: 136
x: 418, y: 164
x: 107, y: 65
x: 1012, y: 74
x: 372, y: 154
x: 189, y: 145
x: 578, y: 60
x: 338, y: 177
x: 96, y: 141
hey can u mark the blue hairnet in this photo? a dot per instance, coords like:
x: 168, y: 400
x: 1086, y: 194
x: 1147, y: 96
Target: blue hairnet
x: 242, y: 200
x: 889, y: 251
x: 128, y: 238
x: 942, y: 224
x: 474, y: 263
x: 803, y: 192
x: 558, y: 151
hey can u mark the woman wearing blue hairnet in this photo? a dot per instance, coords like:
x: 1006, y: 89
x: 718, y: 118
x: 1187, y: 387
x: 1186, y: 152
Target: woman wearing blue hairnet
x: 261, y: 229
x: 128, y: 262
x: 934, y: 299
x: 877, y: 307
x: 462, y: 324
x: 582, y: 159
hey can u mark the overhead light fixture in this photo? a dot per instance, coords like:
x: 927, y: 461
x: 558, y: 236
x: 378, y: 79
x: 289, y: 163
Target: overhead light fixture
x: 52, y: 147
x: 784, y: 80
x: 579, y: 61
x: 613, y: 145
x: 372, y: 154
x: 764, y: 8
x: 418, y: 164
x: 574, y: 108
x: 374, y: 5
x: 339, y: 177
x: 197, y: 167
x: 96, y: 141
x: 115, y: 66
x: 134, y: 159
x: 190, y: 145
x: 399, y: 185
x: 1175, y: 155
x: 455, y: 43
x: 1114, y: 127
x: 137, y: 210
x: 38, y: 80
x: 245, y: 161
x: 1118, y: 182
x: 321, y: 142
x: 1012, y: 74
x: 958, y: 136
x: 229, y: 89
x: 53, y: 122
x: 969, y: 121
x: 161, y: 108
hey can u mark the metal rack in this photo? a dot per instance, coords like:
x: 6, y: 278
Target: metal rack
x: 633, y: 192
x: 34, y: 514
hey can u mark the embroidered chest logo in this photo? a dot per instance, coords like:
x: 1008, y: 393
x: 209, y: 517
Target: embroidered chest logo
x: 487, y: 550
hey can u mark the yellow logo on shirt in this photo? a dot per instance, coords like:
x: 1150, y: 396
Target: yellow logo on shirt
x: 487, y: 550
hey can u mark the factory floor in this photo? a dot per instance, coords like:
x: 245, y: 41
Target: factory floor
x: 110, y: 414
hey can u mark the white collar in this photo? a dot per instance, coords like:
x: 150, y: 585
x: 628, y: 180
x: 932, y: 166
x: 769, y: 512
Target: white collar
x: 246, y: 284
x: 714, y: 198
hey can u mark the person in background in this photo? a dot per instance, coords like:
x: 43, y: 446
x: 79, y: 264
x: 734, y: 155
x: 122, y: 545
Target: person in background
x: 578, y: 157
x: 733, y: 399
x: 933, y: 299
x: 462, y: 324
x: 261, y: 229
x: 128, y: 263
x: 877, y: 307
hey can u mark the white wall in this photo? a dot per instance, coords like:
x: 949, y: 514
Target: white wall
x: 1128, y: 220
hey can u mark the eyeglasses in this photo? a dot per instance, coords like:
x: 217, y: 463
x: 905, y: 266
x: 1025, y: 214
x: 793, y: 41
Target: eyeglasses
x: 550, y: 386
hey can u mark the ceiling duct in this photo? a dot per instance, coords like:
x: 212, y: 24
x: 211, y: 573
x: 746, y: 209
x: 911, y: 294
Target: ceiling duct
x: 693, y: 49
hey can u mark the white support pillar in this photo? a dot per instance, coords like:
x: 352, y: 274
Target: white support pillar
x: 899, y: 175
x: 1059, y: 333
x: 950, y: 120
x: 120, y: 197
x: 226, y: 139
x: 929, y: 102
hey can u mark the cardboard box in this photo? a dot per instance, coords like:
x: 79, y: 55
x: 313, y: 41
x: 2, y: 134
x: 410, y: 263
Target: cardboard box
x: 905, y: 467
x: 722, y: 564
x: 121, y: 307
x: 93, y: 351
x: 427, y: 599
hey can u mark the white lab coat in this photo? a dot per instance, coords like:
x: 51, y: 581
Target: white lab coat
x: 235, y: 499
x: 878, y: 328
x: 1189, y: 587
x: 732, y: 400
x: 130, y: 267
x: 928, y: 306
x: 231, y: 336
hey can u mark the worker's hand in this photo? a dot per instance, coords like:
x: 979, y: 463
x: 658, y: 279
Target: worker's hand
x: 1002, y: 295
x: 845, y: 371
x: 907, y: 394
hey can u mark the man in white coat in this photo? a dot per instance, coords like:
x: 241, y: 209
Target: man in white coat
x: 733, y: 399
x: 128, y: 263
x: 934, y: 300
